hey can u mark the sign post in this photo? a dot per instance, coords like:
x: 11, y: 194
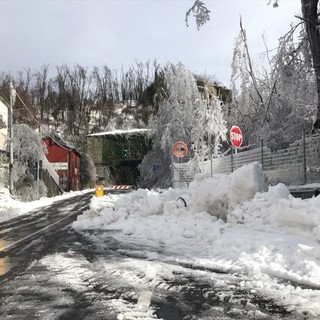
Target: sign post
x: 179, y: 149
x: 236, y: 139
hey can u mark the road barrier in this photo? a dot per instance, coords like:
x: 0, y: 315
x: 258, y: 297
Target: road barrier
x: 121, y: 187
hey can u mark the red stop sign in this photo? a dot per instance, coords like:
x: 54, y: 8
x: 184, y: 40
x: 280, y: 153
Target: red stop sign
x: 236, y: 137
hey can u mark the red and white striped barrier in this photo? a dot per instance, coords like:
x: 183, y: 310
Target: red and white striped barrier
x: 121, y: 187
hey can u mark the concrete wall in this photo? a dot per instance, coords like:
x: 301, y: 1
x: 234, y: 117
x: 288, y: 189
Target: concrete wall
x: 94, y: 149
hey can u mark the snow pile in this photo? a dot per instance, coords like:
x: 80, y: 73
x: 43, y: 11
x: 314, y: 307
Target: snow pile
x: 213, y: 198
x: 280, y: 209
x: 11, y: 208
x: 220, y: 194
x: 230, y: 222
x: 216, y: 196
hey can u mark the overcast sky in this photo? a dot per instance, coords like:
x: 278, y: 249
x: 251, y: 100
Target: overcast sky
x: 118, y: 33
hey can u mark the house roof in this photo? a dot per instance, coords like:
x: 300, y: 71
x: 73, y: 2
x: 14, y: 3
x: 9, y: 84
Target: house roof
x: 62, y: 143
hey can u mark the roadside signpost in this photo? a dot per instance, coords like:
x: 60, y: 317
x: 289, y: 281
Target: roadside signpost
x: 236, y: 136
x: 99, y: 190
x: 236, y: 139
x: 179, y: 149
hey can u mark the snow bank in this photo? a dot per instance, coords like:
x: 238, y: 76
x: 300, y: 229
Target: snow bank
x: 216, y: 196
x: 278, y: 208
x: 220, y: 194
x: 11, y: 208
x: 230, y: 222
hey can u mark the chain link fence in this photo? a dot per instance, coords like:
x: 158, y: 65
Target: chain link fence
x: 299, y: 164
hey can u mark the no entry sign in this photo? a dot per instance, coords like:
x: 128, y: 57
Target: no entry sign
x: 179, y: 149
x: 236, y: 137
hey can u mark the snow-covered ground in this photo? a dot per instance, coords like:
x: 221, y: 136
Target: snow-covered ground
x: 230, y: 222
x: 11, y: 208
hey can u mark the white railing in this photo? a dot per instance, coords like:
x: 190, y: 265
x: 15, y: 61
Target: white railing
x: 47, y: 166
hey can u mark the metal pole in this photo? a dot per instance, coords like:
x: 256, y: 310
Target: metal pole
x: 231, y: 159
x: 261, y: 143
x: 236, y: 156
x: 304, y: 155
x: 211, y: 162
x: 10, y: 114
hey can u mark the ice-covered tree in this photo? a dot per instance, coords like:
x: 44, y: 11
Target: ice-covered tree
x: 200, y: 13
x: 311, y: 19
x: 292, y: 100
x: 88, y: 171
x: 279, y: 103
x: 184, y: 114
x: 248, y: 103
x: 28, y: 151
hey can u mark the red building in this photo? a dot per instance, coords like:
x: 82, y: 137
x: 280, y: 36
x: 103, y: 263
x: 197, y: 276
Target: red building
x: 65, y: 159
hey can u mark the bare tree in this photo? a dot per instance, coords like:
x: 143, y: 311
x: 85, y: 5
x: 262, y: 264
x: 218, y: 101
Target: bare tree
x: 105, y: 94
x: 41, y: 90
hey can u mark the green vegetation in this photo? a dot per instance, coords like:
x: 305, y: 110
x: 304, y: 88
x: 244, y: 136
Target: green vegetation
x: 130, y: 147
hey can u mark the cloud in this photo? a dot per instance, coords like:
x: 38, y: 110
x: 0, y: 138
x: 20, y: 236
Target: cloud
x: 118, y: 33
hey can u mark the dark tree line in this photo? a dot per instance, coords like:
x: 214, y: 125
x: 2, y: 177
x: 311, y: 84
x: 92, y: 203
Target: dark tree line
x: 79, y: 100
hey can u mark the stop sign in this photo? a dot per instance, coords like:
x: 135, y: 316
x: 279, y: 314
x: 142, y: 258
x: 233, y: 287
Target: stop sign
x: 236, y: 137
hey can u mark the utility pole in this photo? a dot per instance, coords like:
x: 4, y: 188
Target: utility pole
x: 10, y: 115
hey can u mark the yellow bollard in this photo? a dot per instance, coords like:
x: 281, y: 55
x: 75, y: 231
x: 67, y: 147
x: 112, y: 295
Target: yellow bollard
x: 99, y: 190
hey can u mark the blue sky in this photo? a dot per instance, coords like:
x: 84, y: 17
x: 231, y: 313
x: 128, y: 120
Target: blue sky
x: 120, y: 32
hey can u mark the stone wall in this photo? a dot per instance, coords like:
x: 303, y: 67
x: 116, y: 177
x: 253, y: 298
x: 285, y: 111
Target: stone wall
x: 95, y: 149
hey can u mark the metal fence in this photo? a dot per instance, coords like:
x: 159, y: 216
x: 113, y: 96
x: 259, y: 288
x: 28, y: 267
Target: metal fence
x: 299, y: 164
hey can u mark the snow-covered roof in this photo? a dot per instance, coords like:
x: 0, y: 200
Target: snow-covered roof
x: 62, y: 143
x: 114, y: 132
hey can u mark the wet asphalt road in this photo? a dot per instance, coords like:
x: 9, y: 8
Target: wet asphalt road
x: 64, y: 274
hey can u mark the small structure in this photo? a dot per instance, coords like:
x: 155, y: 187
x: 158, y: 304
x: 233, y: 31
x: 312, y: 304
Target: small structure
x: 65, y: 159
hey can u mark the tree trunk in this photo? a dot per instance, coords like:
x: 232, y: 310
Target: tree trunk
x: 310, y: 15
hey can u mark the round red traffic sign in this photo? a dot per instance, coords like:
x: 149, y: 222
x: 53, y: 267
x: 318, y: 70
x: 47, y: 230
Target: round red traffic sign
x: 236, y: 137
x: 179, y: 149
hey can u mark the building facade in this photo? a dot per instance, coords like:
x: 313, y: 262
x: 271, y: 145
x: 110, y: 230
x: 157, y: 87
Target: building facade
x: 3, y: 123
x: 65, y: 160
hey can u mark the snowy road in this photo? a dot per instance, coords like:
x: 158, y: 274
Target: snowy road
x: 76, y: 276
x: 60, y: 273
x: 18, y: 235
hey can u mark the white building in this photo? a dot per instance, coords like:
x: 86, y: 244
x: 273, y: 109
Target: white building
x: 4, y: 131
